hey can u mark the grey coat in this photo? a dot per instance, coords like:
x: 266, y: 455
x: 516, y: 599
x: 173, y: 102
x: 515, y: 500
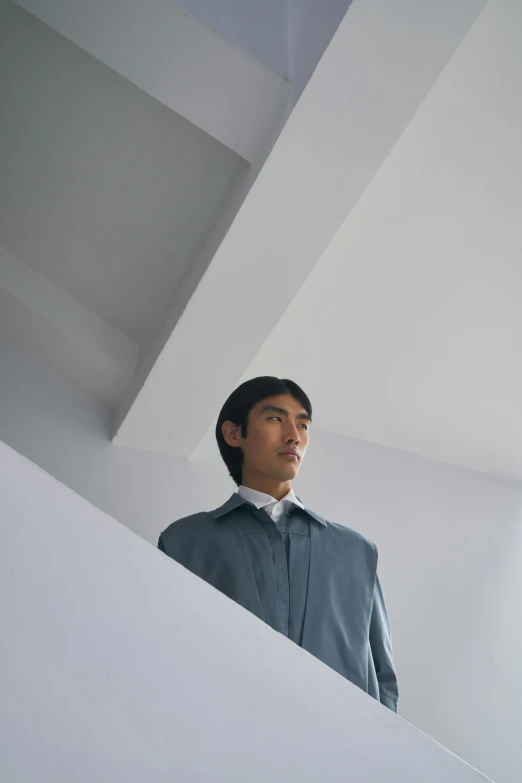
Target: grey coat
x: 344, y: 621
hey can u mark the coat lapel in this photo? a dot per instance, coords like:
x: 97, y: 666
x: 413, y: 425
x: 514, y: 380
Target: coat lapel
x: 316, y: 574
x: 339, y: 599
x: 248, y: 596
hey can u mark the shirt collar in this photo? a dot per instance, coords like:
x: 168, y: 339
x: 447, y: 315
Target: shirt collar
x: 261, y: 499
x: 236, y: 500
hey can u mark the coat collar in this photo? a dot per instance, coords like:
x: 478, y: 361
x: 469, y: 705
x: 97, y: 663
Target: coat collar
x: 236, y: 500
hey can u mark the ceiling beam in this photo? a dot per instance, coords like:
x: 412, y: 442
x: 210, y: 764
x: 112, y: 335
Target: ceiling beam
x: 381, y: 64
x: 37, y: 315
x: 180, y: 62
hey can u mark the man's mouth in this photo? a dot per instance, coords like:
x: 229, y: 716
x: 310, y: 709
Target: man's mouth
x: 289, y: 455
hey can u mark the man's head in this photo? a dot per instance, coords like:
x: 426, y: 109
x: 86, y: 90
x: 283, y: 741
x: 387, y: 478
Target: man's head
x: 261, y: 419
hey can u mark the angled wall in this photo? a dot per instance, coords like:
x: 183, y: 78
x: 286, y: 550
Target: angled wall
x: 119, y: 664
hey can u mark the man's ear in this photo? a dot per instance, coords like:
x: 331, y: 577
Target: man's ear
x: 230, y: 433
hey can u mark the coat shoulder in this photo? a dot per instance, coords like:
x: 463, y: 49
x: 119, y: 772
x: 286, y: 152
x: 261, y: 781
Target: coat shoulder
x: 193, y: 525
x: 347, y: 533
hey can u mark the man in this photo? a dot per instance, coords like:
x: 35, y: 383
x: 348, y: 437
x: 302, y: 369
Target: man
x: 312, y: 580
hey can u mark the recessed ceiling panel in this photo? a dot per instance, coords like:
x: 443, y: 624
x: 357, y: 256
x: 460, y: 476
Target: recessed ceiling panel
x: 103, y: 190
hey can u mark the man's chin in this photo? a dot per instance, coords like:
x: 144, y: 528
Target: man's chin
x: 287, y: 474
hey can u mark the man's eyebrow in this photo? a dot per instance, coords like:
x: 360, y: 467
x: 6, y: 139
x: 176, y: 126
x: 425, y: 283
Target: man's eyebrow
x: 284, y: 412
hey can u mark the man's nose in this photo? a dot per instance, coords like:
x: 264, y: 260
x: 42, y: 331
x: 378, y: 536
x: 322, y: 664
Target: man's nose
x: 293, y: 435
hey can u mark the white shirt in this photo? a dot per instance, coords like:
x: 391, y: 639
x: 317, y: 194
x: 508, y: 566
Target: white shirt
x: 274, y: 507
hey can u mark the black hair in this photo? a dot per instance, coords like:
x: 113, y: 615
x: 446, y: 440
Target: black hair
x: 239, y: 405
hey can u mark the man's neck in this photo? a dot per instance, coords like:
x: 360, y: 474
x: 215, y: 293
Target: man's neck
x: 272, y: 487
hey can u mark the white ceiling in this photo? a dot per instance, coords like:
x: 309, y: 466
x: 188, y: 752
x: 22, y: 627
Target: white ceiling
x: 129, y: 133
x: 377, y: 71
x: 377, y: 259
x: 103, y: 190
x: 178, y: 61
x: 408, y: 332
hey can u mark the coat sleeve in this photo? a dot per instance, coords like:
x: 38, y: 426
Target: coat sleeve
x: 382, y: 653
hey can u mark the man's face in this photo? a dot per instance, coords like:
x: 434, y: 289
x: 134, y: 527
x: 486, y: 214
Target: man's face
x: 276, y: 425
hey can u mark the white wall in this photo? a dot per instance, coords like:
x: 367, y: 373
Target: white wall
x: 450, y: 543
x: 449, y: 540
x: 45, y: 417
x: 119, y: 664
